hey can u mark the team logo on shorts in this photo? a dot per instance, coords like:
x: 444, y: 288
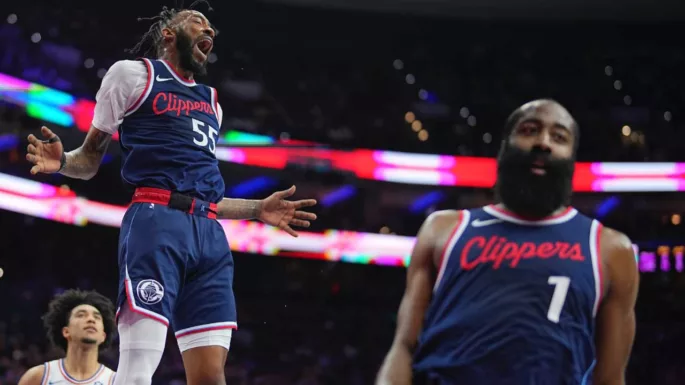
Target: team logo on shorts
x: 150, y: 291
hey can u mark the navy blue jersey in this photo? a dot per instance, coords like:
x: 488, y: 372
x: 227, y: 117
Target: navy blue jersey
x: 514, y: 302
x: 168, y: 138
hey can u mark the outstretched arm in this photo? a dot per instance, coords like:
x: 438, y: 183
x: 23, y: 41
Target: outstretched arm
x: 120, y: 88
x: 48, y: 155
x: 397, y: 366
x: 616, y: 316
x: 84, y: 162
x: 274, y: 210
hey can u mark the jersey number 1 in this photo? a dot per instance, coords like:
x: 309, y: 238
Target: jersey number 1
x: 561, y: 285
x: 205, y: 138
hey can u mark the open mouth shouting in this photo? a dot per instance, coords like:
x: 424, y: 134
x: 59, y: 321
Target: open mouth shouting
x: 202, y: 48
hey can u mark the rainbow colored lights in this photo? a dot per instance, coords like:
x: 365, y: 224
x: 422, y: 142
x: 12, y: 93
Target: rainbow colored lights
x: 62, y: 205
x: 445, y: 170
x: 424, y: 169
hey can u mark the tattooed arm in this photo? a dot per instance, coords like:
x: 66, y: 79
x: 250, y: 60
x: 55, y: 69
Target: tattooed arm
x: 275, y: 210
x: 121, y: 87
x: 83, y: 162
x: 48, y: 155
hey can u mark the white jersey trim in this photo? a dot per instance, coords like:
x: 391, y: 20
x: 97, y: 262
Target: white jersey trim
x: 565, y: 216
x: 146, y: 91
x: 458, y: 230
x: 595, y: 255
x: 177, y: 76
x: 46, y: 373
x: 55, y: 371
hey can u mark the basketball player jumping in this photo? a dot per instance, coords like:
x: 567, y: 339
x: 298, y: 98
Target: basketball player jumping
x: 528, y: 291
x: 175, y: 265
x: 81, y: 323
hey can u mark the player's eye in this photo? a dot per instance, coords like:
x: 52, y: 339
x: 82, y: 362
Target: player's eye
x: 527, y: 129
x: 561, y: 138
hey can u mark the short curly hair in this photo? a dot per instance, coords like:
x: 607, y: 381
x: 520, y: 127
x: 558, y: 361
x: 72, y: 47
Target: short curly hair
x: 59, y: 313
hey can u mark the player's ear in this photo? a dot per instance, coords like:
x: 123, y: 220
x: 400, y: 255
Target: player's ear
x: 65, y: 332
x: 168, y: 34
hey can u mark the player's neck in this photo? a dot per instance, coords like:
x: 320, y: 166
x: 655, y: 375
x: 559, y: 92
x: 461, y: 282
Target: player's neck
x: 81, y: 362
x: 173, y: 60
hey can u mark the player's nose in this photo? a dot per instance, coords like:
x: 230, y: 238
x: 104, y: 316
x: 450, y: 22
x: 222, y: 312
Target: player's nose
x: 543, y: 140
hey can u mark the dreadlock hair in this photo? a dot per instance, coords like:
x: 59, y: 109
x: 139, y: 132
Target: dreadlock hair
x: 153, y: 37
x: 59, y: 313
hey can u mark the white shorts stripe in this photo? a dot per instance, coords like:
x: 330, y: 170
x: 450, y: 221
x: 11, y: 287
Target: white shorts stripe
x: 206, y: 327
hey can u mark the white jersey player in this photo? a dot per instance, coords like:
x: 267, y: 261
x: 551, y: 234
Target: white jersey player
x: 81, y: 323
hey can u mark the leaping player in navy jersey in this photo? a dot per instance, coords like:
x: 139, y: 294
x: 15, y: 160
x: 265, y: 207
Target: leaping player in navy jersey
x: 527, y: 291
x: 175, y: 266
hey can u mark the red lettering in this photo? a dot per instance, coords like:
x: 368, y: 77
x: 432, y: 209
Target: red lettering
x: 563, y: 248
x: 465, y: 263
x: 499, y: 251
x: 528, y: 250
x: 545, y: 250
x: 159, y: 107
x: 508, y: 251
x: 168, y: 102
x: 576, y: 253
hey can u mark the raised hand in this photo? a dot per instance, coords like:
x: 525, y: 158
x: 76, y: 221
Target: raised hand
x: 277, y: 211
x: 45, y: 155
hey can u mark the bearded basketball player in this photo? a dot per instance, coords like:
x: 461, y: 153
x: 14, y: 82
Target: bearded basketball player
x: 526, y: 291
x: 175, y: 265
x: 81, y: 323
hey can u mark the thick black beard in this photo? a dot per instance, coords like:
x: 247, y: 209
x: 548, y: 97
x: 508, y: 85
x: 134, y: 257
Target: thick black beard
x: 185, y: 46
x: 88, y: 341
x: 530, y: 195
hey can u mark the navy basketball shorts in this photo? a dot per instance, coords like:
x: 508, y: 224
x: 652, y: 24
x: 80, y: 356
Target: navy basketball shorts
x: 176, y: 268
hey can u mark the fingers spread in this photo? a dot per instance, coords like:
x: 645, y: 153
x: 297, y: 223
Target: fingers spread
x: 33, y: 140
x: 287, y: 193
x: 290, y: 231
x: 305, y: 215
x: 305, y: 203
x: 300, y: 223
x: 47, y: 133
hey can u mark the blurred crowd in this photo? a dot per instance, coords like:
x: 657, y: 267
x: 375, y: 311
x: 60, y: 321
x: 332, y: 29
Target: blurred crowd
x: 349, y: 80
x: 301, y: 322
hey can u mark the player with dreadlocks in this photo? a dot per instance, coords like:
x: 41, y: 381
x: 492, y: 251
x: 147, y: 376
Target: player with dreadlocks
x: 81, y: 323
x: 175, y: 265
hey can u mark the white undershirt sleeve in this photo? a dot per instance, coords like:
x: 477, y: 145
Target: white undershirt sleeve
x: 121, y: 87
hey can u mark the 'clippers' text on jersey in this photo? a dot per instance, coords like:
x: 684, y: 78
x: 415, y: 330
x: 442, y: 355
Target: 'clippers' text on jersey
x: 168, y: 138
x: 514, y: 302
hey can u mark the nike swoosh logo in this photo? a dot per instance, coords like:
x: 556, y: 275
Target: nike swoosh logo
x: 163, y: 80
x: 487, y: 222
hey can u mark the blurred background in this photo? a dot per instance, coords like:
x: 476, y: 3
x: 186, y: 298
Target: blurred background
x: 384, y: 111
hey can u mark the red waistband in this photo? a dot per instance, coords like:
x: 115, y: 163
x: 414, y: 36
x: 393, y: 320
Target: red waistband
x: 162, y: 197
